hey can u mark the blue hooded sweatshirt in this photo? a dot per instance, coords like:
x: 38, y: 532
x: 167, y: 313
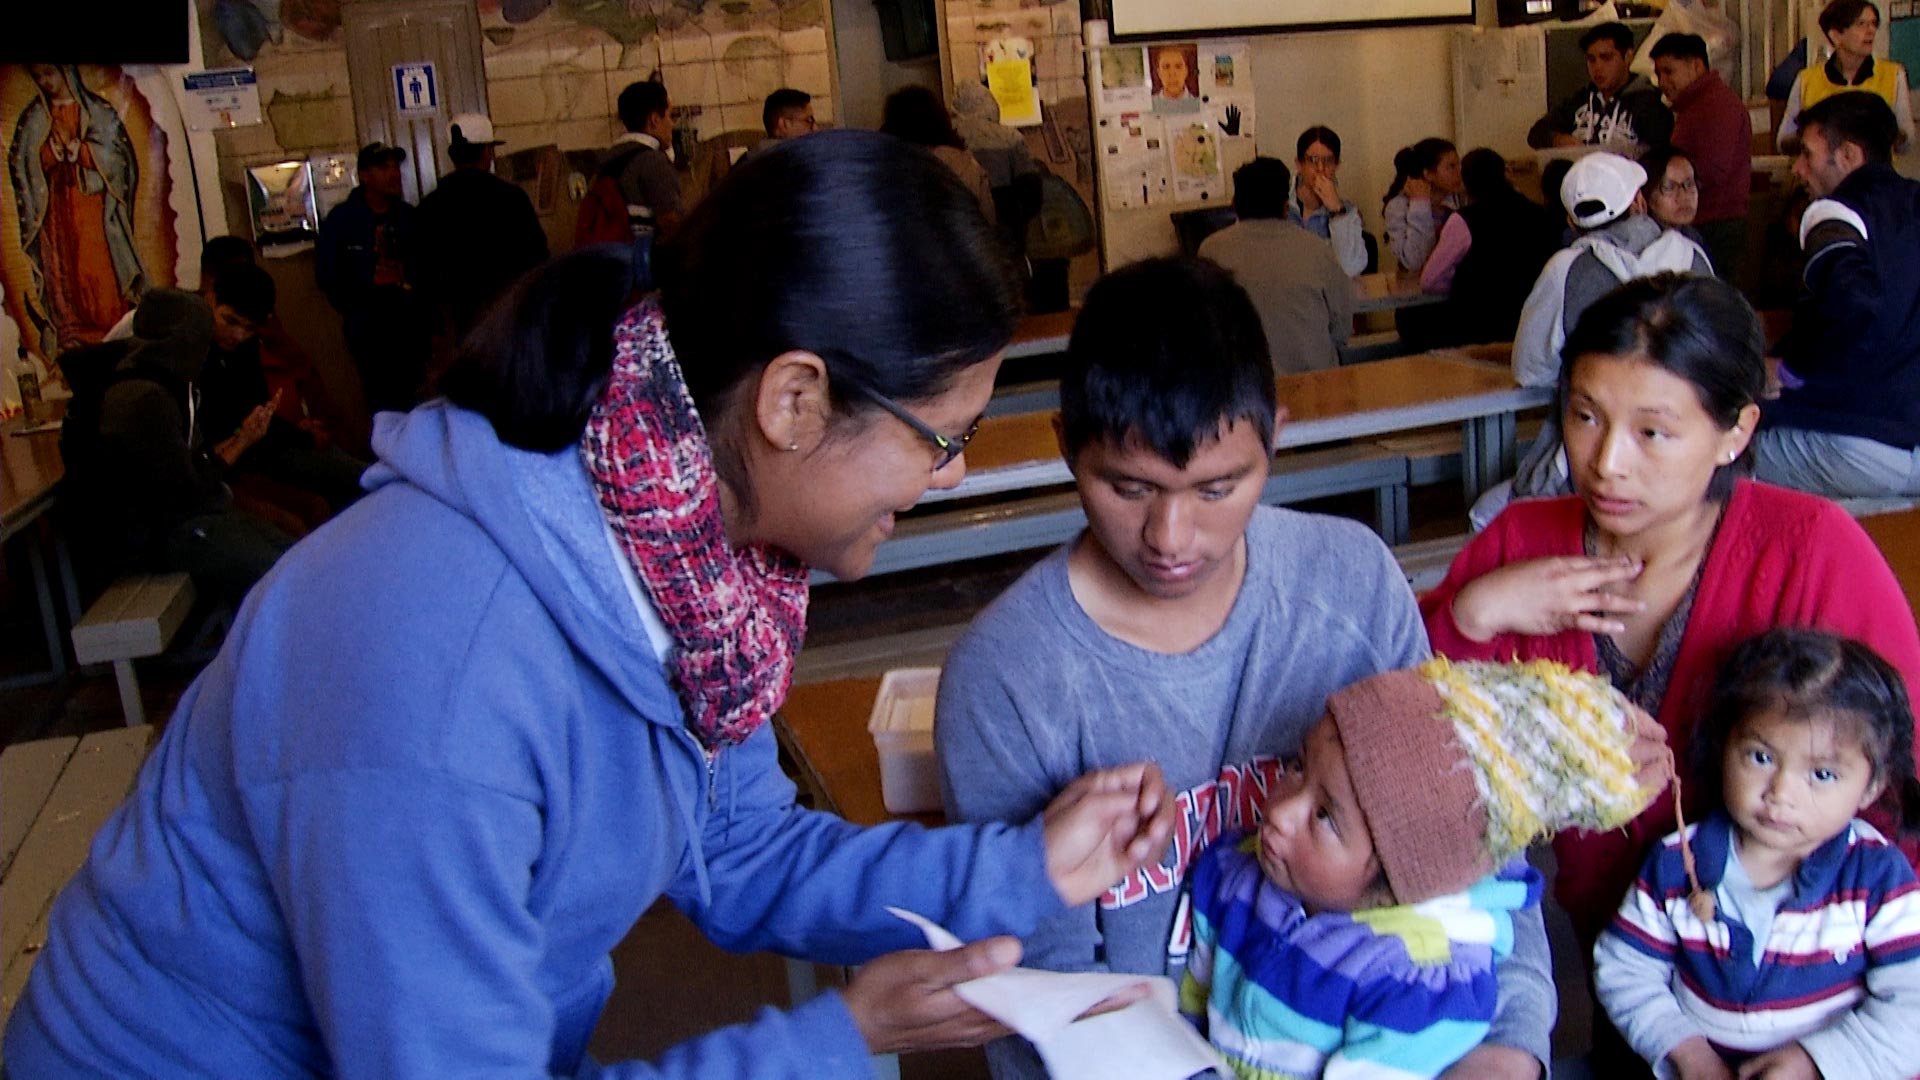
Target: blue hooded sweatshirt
x: 433, y: 777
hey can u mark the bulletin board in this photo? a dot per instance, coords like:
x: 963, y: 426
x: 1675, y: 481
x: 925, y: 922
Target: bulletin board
x: 1170, y: 121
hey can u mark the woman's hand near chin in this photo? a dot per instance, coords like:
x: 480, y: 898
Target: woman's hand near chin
x: 1546, y: 596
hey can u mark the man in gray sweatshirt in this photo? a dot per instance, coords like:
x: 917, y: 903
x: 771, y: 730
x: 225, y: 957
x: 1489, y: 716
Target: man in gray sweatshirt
x: 1187, y: 625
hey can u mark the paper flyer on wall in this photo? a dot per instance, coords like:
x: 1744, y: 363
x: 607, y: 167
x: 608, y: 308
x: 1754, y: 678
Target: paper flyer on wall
x: 1122, y: 77
x: 1133, y: 160
x: 1195, y: 156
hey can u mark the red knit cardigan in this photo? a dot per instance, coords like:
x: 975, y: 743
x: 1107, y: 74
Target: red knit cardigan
x: 1781, y: 558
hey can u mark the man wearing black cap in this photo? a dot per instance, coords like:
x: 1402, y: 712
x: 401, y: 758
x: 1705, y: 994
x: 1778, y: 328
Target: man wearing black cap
x: 476, y: 233
x: 361, y: 264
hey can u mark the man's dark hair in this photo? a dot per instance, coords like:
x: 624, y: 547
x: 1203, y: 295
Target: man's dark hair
x: 1261, y: 188
x: 781, y: 102
x: 917, y: 115
x: 463, y: 153
x: 1483, y: 172
x: 1681, y: 47
x: 1618, y: 33
x: 1318, y: 133
x: 1844, y: 13
x: 246, y: 289
x: 1166, y: 352
x: 224, y: 251
x: 1856, y: 116
x: 640, y: 101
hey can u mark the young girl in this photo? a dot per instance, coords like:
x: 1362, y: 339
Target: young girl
x: 1797, y: 952
x: 1426, y: 189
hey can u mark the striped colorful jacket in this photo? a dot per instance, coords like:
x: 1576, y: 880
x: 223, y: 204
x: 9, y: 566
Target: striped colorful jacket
x: 1838, y: 974
x: 1388, y: 992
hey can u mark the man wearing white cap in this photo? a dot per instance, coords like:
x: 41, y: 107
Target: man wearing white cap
x: 477, y: 232
x: 1619, y: 241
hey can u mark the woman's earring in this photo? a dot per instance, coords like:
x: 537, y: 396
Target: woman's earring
x: 795, y: 445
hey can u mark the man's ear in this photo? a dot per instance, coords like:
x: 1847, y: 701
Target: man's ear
x: 791, y: 402
x: 1060, y: 440
x: 1849, y: 156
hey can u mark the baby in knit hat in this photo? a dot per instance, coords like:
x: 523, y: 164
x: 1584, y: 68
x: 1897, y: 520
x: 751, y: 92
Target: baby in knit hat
x: 1359, y: 927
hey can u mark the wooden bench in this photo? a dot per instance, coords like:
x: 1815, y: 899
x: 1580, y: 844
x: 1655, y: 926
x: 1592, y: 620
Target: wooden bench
x: 137, y: 616
x: 938, y: 537
x: 54, y: 795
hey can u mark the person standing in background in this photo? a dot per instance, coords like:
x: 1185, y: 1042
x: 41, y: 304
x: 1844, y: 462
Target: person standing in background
x: 1617, y: 109
x: 1711, y: 126
x: 361, y: 266
x: 476, y: 232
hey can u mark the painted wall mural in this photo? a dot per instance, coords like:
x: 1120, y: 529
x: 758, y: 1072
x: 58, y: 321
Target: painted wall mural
x: 86, y: 219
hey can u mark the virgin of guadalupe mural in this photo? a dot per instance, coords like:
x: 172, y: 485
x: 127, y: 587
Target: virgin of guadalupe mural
x: 74, y: 174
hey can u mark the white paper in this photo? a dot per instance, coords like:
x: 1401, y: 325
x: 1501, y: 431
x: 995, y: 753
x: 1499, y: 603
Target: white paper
x: 1147, y: 1040
x: 1133, y: 163
x: 1121, y: 73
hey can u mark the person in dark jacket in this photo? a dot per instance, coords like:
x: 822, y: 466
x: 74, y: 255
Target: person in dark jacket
x: 1616, y: 109
x: 144, y: 486
x: 475, y: 233
x: 1486, y: 260
x: 361, y: 266
x: 1847, y: 421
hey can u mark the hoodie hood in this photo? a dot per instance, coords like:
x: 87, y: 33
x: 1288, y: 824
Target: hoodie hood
x: 1636, y: 246
x: 540, y: 512
x: 172, y: 331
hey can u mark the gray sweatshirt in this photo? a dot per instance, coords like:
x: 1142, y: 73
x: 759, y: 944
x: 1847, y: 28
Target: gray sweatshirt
x: 1035, y: 694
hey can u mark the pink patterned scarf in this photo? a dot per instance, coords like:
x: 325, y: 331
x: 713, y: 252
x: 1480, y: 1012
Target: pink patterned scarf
x: 737, y: 616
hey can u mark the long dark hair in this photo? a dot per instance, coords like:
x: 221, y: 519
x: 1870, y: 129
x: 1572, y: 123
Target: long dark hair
x: 1806, y: 674
x: 1699, y: 329
x: 1416, y: 161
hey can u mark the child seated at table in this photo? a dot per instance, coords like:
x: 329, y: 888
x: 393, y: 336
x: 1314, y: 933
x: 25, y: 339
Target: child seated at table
x: 1801, y: 954
x: 1357, y: 929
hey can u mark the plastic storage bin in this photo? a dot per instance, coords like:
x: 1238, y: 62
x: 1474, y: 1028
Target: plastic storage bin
x: 902, y: 729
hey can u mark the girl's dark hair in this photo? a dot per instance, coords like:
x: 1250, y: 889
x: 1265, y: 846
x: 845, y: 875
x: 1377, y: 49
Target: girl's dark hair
x: 1656, y: 161
x: 1552, y: 174
x: 1807, y: 674
x: 1697, y: 328
x: 917, y: 114
x: 847, y: 244
x: 1415, y: 161
x: 1318, y: 133
x: 537, y: 361
x: 1484, y: 174
x: 851, y: 245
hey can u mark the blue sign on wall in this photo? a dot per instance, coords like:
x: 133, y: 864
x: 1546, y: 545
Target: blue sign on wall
x: 414, y: 90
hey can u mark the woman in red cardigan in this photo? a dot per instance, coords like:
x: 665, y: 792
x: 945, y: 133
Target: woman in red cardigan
x: 1664, y: 561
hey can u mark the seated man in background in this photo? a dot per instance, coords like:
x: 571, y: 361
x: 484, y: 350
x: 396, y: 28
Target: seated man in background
x: 145, y: 488
x: 787, y: 114
x: 1616, y: 109
x: 1847, y: 421
x: 1188, y: 624
x: 287, y: 466
x: 1710, y: 126
x: 1304, y: 298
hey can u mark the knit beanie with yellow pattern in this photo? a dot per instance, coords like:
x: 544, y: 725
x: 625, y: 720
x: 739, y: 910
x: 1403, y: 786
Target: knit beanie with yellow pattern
x: 1457, y: 767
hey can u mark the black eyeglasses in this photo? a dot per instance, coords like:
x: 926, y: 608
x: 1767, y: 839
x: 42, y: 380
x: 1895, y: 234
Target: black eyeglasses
x: 948, y: 448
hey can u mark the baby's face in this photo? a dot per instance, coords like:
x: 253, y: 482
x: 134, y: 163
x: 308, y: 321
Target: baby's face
x: 1314, y: 841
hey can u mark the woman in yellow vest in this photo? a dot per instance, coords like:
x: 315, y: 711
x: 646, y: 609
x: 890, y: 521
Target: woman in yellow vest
x: 1850, y: 27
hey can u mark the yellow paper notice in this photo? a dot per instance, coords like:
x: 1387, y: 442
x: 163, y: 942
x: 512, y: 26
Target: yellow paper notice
x: 1011, y: 83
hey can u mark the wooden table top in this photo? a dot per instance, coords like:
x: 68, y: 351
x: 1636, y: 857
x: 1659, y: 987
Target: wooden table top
x: 1387, y: 290
x: 30, y: 466
x: 1323, y: 406
x: 1038, y: 335
x: 823, y: 727
x: 1898, y: 537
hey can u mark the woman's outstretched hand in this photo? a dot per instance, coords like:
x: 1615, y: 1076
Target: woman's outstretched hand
x: 1539, y: 597
x: 1104, y: 826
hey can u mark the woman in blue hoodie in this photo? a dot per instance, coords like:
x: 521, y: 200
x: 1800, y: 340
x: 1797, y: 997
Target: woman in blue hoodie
x: 465, y: 734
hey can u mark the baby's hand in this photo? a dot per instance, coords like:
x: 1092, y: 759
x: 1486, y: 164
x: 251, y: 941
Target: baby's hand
x: 1790, y: 1062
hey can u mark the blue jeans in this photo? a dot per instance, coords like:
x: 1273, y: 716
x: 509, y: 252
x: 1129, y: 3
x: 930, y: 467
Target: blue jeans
x: 1837, y: 466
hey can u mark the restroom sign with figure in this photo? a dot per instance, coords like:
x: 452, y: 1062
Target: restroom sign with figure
x: 414, y: 89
